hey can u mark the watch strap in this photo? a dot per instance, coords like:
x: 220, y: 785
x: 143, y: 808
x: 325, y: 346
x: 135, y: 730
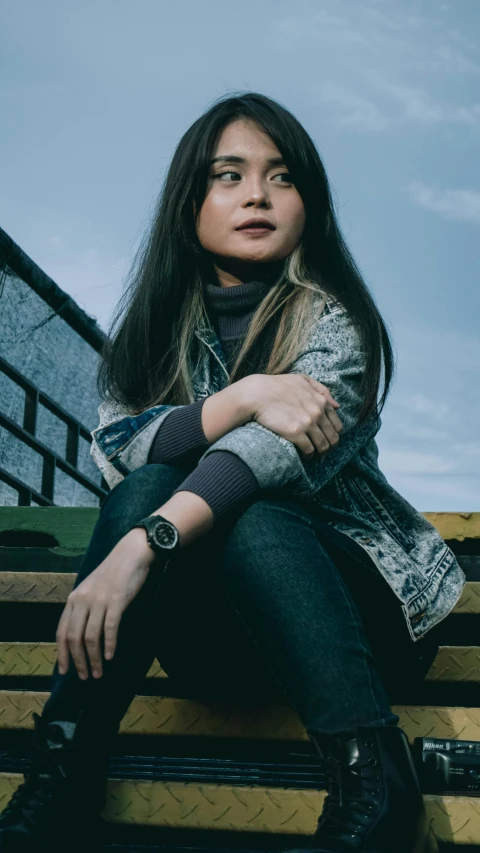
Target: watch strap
x: 149, y: 524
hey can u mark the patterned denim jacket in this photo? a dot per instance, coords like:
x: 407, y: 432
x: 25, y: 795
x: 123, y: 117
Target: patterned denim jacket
x: 345, y: 485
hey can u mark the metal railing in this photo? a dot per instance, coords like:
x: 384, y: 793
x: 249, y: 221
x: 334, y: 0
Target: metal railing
x: 51, y: 461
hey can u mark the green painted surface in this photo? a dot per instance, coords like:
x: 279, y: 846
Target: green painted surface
x: 72, y: 526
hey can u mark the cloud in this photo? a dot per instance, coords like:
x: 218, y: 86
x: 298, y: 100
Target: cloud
x: 419, y: 431
x: 381, y: 69
x: 414, y: 104
x: 353, y: 110
x: 406, y: 462
x: 428, y: 447
x: 421, y: 404
x: 468, y: 448
x: 461, y: 205
x: 438, y: 494
x: 390, y: 106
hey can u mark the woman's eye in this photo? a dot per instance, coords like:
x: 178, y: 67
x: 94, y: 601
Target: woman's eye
x: 280, y: 175
x: 221, y: 174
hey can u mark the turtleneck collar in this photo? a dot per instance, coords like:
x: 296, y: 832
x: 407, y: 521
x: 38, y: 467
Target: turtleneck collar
x: 238, y: 299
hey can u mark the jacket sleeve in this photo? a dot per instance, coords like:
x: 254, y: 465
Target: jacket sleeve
x: 122, y: 441
x: 334, y: 357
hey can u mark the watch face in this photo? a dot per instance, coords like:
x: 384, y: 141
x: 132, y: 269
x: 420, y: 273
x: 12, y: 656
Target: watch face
x: 165, y: 534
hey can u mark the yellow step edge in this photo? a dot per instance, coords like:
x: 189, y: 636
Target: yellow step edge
x: 288, y: 811
x: 169, y: 716
x: 452, y: 664
x: 55, y: 587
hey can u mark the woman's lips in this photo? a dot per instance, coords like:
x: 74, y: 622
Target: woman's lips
x: 256, y: 230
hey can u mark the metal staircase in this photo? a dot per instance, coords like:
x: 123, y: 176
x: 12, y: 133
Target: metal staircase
x: 197, y: 775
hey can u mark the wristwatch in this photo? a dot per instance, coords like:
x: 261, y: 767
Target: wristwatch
x: 162, y: 535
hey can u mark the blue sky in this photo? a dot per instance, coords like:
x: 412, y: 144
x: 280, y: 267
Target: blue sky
x: 96, y: 95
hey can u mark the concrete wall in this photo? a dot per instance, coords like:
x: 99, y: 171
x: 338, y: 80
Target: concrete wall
x: 56, y: 358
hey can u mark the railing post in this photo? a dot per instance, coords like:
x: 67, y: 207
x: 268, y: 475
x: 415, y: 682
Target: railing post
x: 48, y: 476
x: 30, y: 410
x: 24, y: 497
x: 71, y: 452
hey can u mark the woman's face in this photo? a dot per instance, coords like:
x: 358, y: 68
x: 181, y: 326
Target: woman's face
x: 244, y: 184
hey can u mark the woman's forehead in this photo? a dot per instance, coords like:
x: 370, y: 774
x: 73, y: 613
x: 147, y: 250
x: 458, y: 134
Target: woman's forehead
x: 245, y: 138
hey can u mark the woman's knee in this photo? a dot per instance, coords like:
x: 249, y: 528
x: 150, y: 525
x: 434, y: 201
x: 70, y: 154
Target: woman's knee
x: 261, y: 536
x: 141, y: 492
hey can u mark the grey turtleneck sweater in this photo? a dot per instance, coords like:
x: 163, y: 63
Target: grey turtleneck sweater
x: 222, y: 478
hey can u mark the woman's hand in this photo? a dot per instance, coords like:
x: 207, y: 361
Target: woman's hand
x: 296, y: 407
x: 96, y: 605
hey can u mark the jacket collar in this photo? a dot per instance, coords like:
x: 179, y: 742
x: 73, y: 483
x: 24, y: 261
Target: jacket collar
x: 207, y: 334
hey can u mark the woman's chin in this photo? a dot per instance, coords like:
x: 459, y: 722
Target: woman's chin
x: 255, y: 255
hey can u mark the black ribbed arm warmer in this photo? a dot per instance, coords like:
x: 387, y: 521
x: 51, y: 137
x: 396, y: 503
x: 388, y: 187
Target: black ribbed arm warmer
x: 180, y: 439
x: 221, y: 479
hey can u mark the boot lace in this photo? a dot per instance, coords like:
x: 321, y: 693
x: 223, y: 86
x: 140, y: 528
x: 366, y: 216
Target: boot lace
x: 351, y: 798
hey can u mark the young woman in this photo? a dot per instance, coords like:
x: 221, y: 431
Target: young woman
x: 249, y: 540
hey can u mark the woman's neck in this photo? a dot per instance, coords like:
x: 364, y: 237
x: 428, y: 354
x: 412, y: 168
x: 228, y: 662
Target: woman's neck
x: 234, y: 307
x: 234, y: 274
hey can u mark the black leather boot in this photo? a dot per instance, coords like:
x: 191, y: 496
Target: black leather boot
x: 374, y: 802
x: 58, y: 805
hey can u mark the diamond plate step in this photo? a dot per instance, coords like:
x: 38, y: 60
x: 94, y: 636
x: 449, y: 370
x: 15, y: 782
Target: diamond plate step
x: 55, y: 587
x: 453, y: 663
x: 245, y: 809
x: 165, y: 715
x: 249, y: 808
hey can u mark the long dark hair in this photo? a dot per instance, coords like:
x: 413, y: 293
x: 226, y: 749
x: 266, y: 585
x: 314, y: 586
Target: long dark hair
x: 149, y: 355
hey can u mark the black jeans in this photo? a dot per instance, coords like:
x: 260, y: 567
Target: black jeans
x: 270, y: 603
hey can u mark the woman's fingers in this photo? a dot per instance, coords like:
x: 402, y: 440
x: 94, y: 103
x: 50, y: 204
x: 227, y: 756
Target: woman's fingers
x: 63, y: 658
x: 79, y: 629
x: 75, y: 636
x: 96, y: 606
x: 328, y: 430
x: 93, y: 632
x: 303, y: 443
x: 334, y: 419
x: 112, y: 621
x: 318, y: 438
x: 319, y: 386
